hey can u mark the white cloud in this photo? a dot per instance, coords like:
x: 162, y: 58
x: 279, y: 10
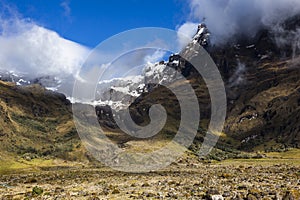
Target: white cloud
x: 66, y: 6
x: 186, y: 33
x: 33, y: 50
x: 225, y: 18
x: 157, y: 56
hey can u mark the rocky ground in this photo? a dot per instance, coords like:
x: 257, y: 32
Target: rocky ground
x: 185, y: 179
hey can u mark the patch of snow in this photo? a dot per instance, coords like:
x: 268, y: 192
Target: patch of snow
x: 176, y: 62
x: 237, y: 46
x: 22, y: 82
x: 116, y: 105
x: 125, y: 90
x: 250, y: 118
x: 249, y: 138
x: 264, y: 57
x: 54, y: 89
x: 250, y: 46
x: 132, y: 79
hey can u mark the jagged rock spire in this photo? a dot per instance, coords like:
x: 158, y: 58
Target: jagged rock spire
x: 202, y: 36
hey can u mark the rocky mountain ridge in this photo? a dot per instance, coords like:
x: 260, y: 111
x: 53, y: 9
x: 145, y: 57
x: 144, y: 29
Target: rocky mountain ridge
x: 262, y: 85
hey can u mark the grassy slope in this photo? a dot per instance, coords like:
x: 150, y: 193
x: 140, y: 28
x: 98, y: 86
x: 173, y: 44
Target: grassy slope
x: 35, y: 123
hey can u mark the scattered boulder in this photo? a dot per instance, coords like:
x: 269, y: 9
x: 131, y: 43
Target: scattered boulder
x: 36, y: 191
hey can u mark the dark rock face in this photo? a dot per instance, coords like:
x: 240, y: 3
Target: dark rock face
x: 262, y: 84
x: 263, y: 106
x: 105, y: 116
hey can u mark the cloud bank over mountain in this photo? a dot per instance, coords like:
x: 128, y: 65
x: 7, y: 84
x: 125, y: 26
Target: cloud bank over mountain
x: 226, y: 18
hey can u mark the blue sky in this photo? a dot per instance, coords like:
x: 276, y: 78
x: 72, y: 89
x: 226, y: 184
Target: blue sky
x: 55, y: 37
x: 89, y: 22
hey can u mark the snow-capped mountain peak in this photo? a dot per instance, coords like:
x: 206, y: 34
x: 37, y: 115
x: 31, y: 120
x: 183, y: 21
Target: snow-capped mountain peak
x: 118, y: 92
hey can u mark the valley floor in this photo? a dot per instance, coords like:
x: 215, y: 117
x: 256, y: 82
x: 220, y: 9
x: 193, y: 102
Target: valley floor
x: 274, y: 177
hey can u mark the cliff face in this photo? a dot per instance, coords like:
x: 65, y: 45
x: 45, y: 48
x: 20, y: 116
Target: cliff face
x: 264, y: 110
x: 261, y: 77
x: 262, y: 83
